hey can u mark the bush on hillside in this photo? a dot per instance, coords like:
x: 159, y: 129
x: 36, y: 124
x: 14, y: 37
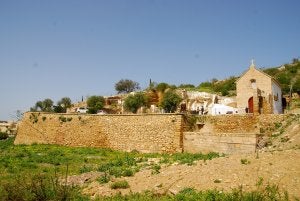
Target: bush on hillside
x: 3, y: 135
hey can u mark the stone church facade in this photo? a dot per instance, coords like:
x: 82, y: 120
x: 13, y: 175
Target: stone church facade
x: 258, y: 93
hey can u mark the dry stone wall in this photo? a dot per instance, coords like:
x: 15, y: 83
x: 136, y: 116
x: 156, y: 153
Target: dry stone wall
x: 224, y: 134
x: 227, y: 143
x: 161, y: 133
x: 144, y: 133
x: 230, y: 133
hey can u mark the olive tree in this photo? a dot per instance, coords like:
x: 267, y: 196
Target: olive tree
x: 62, y: 105
x: 126, y: 86
x: 43, y: 106
x: 133, y: 102
x: 95, y: 103
x: 170, y: 101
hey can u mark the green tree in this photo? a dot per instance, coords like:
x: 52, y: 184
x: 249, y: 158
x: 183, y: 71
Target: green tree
x: 95, y: 103
x: 43, y: 106
x: 162, y: 87
x: 62, y: 105
x: 186, y: 86
x: 133, y: 102
x: 224, y: 86
x: 126, y: 86
x: 170, y: 101
x: 205, y: 85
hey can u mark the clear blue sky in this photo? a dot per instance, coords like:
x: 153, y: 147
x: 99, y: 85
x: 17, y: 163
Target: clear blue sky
x: 57, y: 48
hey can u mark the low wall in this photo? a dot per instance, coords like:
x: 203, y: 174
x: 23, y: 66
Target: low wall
x: 222, y: 143
x: 144, y: 133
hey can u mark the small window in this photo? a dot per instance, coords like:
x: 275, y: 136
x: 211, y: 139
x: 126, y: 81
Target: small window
x: 253, y: 83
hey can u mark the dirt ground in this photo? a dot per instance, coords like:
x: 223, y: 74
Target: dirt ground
x: 279, y: 164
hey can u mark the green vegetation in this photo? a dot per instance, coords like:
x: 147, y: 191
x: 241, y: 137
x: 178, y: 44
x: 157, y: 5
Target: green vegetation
x: 133, y: 102
x: 64, y: 119
x: 245, y: 161
x: 43, y: 106
x: 225, y: 87
x: 270, y: 192
x: 104, y: 178
x: 16, y: 160
x: 123, y: 184
x: 217, y: 181
x: 170, y: 101
x: 126, y: 86
x: 3, y: 135
x: 288, y: 76
x: 34, y: 117
x: 62, y: 105
x: 162, y: 87
x: 38, y: 172
x: 155, y: 169
x: 39, y: 187
x: 47, y: 105
x: 95, y: 103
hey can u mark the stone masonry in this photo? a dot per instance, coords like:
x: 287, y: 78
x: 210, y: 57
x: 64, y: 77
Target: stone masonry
x: 162, y: 133
x: 265, y: 92
x: 144, y: 133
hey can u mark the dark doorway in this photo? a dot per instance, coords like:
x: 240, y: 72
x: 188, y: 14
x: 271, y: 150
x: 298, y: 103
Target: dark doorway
x: 250, y: 105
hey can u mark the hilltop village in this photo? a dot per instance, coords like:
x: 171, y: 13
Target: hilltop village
x: 188, y: 121
x: 255, y: 135
x: 256, y: 93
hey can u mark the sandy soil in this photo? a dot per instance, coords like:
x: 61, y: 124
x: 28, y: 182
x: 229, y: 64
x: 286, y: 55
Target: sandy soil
x: 279, y: 164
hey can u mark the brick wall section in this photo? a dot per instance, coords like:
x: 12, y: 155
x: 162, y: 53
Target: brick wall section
x: 144, y: 133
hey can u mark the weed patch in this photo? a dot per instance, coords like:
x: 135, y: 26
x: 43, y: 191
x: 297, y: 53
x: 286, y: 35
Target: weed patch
x: 155, y: 169
x: 245, y: 161
x: 123, y: 184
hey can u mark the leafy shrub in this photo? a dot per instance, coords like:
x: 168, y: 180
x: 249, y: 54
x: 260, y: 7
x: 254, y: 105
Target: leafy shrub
x: 95, y: 103
x: 3, y: 135
x: 133, y: 102
x: 123, y: 184
x: 155, y: 169
x: 245, y: 161
x: 127, y: 172
x: 277, y: 125
x: 170, y: 101
x: 85, y: 168
x: 104, y: 178
x: 217, y: 181
x: 62, y: 119
x: 34, y: 118
x: 188, y: 158
x: 38, y: 187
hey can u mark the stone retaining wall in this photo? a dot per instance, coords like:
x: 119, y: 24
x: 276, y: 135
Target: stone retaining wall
x: 144, y: 133
x: 147, y: 132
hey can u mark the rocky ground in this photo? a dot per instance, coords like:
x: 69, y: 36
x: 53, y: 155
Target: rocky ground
x: 277, y: 164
